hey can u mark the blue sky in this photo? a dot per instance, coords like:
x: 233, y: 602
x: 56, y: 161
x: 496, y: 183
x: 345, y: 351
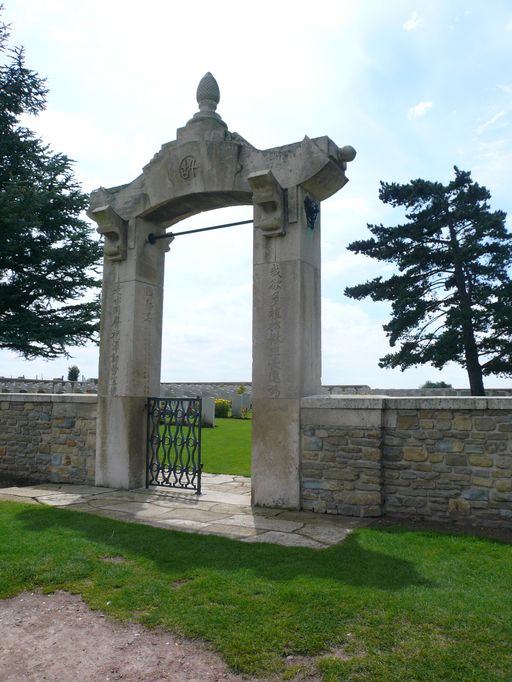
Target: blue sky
x: 415, y: 87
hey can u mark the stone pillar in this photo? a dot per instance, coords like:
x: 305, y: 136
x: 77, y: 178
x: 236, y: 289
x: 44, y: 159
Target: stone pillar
x: 286, y: 337
x: 130, y: 347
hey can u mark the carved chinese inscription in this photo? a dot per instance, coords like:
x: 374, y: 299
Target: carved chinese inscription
x: 115, y: 333
x: 148, y: 321
x: 274, y: 331
x: 188, y: 168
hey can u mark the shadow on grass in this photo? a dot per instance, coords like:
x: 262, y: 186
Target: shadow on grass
x: 348, y: 563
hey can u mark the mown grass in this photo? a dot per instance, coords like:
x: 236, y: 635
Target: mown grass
x: 386, y: 605
x: 226, y: 449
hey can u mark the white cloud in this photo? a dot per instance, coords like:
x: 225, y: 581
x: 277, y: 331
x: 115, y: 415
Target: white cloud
x: 419, y: 109
x: 481, y: 128
x: 413, y: 22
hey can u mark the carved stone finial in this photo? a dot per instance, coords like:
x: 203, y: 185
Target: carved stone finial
x: 208, y: 96
x: 208, y: 93
x: 347, y: 153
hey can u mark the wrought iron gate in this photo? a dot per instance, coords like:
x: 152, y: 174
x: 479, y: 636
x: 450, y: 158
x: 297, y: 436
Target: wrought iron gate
x: 173, y: 455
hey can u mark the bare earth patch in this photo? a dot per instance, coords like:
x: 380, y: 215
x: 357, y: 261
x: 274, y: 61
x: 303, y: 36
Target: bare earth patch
x: 57, y: 638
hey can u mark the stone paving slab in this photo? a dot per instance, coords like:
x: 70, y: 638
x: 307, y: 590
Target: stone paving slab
x: 223, y: 508
x: 326, y: 535
x: 260, y: 521
x: 287, y: 539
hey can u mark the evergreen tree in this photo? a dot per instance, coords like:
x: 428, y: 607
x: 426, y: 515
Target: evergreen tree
x: 73, y: 373
x: 451, y: 295
x: 48, y: 259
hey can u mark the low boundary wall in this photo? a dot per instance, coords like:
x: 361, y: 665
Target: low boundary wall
x: 441, y: 459
x: 425, y: 458
x: 48, y: 438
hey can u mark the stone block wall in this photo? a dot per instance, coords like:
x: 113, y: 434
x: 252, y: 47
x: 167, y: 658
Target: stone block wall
x: 451, y: 459
x: 48, y: 438
x: 445, y: 459
x: 341, y: 457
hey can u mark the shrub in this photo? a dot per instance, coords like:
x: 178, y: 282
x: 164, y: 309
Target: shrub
x: 73, y: 373
x: 222, y: 407
x: 436, y: 384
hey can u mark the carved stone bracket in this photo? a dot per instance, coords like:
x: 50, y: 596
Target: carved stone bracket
x: 269, y: 203
x: 115, y: 231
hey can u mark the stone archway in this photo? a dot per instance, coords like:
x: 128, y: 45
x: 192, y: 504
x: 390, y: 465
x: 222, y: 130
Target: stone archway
x: 208, y: 167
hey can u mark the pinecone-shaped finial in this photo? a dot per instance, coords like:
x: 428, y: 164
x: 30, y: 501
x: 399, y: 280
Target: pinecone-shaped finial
x: 208, y: 93
x: 208, y: 96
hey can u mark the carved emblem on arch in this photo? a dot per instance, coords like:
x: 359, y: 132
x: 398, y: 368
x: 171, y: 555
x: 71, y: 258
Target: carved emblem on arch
x: 115, y: 231
x: 269, y: 200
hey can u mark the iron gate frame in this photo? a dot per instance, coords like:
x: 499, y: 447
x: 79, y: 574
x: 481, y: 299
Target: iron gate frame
x: 173, y: 454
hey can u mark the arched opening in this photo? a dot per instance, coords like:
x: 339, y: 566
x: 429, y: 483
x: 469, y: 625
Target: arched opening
x: 207, y: 327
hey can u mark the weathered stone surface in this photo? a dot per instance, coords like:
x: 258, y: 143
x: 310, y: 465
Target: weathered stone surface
x: 476, y: 494
x: 450, y: 445
x: 459, y: 507
x: 462, y: 422
x: 481, y: 482
x: 53, y: 448
x: 312, y: 443
x: 480, y: 460
x: 407, y: 421
x: 450, y: 471
x: 415, y: 454
x: 484, y: 424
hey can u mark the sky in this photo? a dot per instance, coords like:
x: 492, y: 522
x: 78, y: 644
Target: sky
x: 415, y: 87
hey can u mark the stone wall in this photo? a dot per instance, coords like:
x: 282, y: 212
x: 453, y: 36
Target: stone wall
x: 47, y: 438
x: 445, y: 459
x: 227, y: 388
x: 22, y: 385
x: 224, y: 389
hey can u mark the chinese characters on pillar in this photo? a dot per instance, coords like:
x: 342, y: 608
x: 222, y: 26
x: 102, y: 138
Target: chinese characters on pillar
x: 274, y: 331
x: 115, y: 333
x: 148, y: 321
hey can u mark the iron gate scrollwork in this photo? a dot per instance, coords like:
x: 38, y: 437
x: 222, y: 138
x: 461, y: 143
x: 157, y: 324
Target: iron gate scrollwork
x: 173, y: 456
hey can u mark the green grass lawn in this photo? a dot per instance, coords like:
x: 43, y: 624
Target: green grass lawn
x: 226, y: 449
x: 394, y: 605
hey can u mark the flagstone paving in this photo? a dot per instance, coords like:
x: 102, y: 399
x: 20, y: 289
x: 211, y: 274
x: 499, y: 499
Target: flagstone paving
x: 223, y: 508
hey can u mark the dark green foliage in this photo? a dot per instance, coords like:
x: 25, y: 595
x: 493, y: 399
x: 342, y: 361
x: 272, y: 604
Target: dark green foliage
x: 73, y: 373
x: 451, y: 294
x: 436, y: 384
x: 48, y: 259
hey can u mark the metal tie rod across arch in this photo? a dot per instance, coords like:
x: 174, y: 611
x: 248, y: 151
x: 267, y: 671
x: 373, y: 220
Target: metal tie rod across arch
x: 170, y: 235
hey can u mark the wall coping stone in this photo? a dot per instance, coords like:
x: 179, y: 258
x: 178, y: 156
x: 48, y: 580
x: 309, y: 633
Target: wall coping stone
x: 345, y: 402
x: 338, y: 402
x: 48, y: 397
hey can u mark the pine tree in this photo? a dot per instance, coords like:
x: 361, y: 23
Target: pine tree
x: 48, y: 259
x: 451, y: 295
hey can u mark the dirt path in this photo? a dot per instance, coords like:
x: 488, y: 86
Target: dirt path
x: 57, y: 638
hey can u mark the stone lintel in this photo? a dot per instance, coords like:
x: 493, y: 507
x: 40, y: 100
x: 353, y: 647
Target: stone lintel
x: 201, y: 171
